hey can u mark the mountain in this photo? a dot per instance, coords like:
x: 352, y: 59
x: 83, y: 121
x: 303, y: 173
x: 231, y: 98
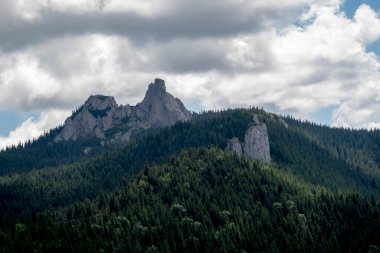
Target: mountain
x: 175, y: 185
x: 101, y: 117
x: 99, y: 121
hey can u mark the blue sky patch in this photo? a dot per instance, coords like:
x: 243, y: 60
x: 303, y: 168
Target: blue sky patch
x: 10, y: 120
x: 350, y: 6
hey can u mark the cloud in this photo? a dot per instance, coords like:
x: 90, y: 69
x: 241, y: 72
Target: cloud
x: 63, y: 73
x: 293, y: 56
x: 33, y: 128
x: 368, y: 24
x: 301, y: 70
x: 361, y: 110
x: 144, y: 22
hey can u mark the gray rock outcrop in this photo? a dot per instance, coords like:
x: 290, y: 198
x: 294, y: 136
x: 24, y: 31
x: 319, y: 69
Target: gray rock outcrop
x: 161, y: 108
x: 101, y: 117
x: 234, y: 146
x: 256, y: 142
x: 96, y: 116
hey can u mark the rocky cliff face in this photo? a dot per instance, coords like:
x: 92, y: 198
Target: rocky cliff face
x: 234, y: 146
x: 160, y: 108
x: 101, y: 117
x: 256, y: 142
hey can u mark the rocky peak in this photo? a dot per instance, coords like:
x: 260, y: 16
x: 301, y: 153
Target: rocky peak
x: 156, y: 93
x: 101, y: 117
x: 160, y: 107
x: 100, y: 102
x: 158, y: 86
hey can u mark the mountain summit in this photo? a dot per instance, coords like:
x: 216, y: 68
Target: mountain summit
x: 102, y: 117
x: 160, y: 107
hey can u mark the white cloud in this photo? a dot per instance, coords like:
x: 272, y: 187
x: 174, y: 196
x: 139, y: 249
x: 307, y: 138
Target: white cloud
x: 299, y: 69
x: 33, y: 128
x: 23, y: 83
x: 368, y: 22
x: 63, y: 73
x: 296, y: 67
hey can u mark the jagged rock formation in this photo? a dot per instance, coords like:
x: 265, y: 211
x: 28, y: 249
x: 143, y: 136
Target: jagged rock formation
x: 234, y: 146
x: 101, y: 117
x: 160, y: 108
x: 256, y: 142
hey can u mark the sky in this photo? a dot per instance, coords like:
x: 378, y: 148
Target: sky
x: 313, y: 59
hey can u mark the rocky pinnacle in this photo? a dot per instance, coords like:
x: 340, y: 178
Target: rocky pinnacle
x: 256, y: 142
x: 101, y: 117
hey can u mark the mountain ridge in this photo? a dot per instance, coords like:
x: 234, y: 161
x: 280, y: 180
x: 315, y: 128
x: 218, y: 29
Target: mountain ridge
x: 176, y: 185
x: 101, y: 117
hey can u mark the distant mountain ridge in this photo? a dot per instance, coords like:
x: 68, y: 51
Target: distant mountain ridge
x: 103, y: 118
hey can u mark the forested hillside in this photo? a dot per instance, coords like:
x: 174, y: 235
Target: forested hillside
x: 43, y: 153
x: 321, y: 187
x: 359, y: 148
x: 204, y: 200
x: 316, y: 159
x: 291, y: 149
x: 37, y: 190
